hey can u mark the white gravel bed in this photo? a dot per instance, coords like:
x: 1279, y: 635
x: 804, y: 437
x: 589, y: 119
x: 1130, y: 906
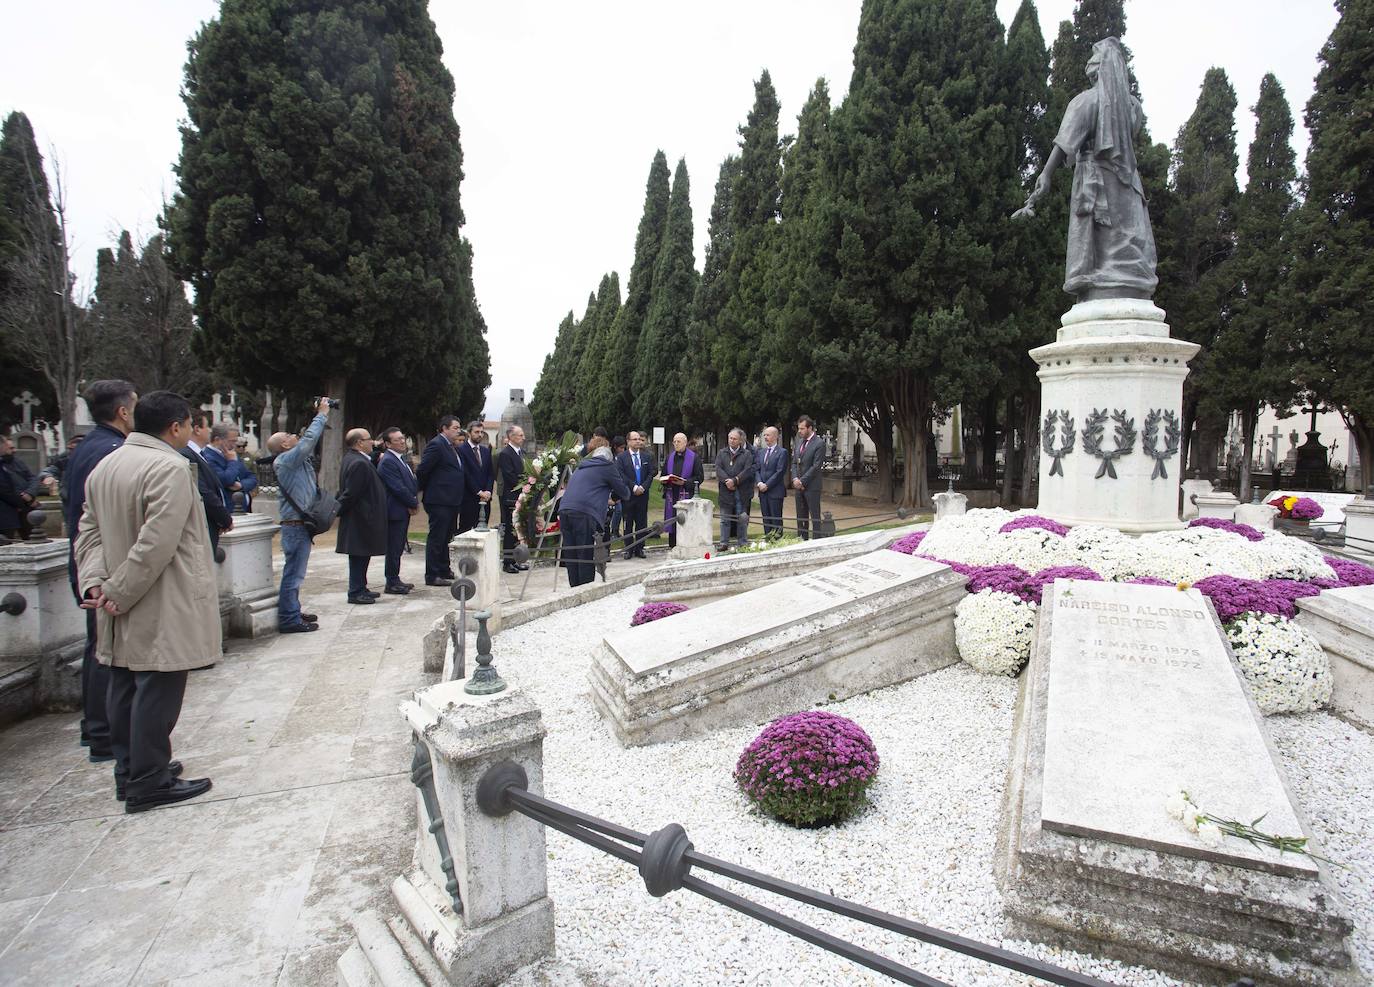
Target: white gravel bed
x: 922, y: 849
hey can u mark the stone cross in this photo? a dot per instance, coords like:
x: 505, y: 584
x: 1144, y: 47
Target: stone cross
x: 1313, y: 410
x: 215, y: 407
x: 28, y: 402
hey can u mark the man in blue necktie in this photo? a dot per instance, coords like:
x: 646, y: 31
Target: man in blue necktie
x: 638, y: 467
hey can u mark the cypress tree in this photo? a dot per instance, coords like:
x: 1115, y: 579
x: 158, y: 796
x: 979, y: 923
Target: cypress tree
x: 700, y: 376
x: 1332, y: 292
x: 738, y: 332
x: 547, y: 404
x: 924, y: 182
x: 1200, y: 219
x: 144, y: 321
x: 617, y: 390
x: 597, y: 361
x: 657, y: 369
x: 318, y: 214
x: 1037, y: 249
x: 39, y: 320
x: 1245, y: 372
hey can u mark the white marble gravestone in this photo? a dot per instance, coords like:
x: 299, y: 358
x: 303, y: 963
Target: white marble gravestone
x: 1343, y: 621
x: 1132, y: 694
x: 848, y: 628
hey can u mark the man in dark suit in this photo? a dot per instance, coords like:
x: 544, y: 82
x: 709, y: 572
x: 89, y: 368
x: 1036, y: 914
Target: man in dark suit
x: 477, y: 475
x: 638, y: 467
x: 111, y: 403
x: 806, y: 477
x: 222, y: 455
x: 771, y: 481
x: 440, y: 480
x: 512, y: 464
x: 735, y: 475
x: 362, y: 513
x: 217, y: 516
x: 401, y: 505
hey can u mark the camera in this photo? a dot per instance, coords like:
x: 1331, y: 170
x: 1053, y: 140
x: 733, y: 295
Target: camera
x: 333, y: 402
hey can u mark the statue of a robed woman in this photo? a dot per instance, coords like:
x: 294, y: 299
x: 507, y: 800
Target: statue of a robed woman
x: 1111, y: 250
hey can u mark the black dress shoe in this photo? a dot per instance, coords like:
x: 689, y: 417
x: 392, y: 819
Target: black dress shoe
x: 368, y: 592
x: 407, y: 585
x: 523, y: 566
x: 396, y: 590
x: 361, y: 600
x: 438, y: 582
x: 301, y: 628
x: 310, y: 618
x: 174, y: 768
x: 100, y: 757
x: 640, y: 554
x: 178, y: 791
x: 513, y: 569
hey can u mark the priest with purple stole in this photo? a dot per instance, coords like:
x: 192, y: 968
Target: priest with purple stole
x: 682, y: 474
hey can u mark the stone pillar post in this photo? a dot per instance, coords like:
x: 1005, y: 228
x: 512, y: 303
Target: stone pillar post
x: 484, y: 549
x: 246, y: 582
x: 694, y: 535
x: 1221, y: 505
x: 1359, y: 526
x: 1259, y: 516
x: 41, y: 628
x: 475, y: 903
x: 949, y: 504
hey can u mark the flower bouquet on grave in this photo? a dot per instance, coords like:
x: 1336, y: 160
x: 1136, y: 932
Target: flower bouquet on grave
x: 543, y: 476
x: 1211, y: 830
x: 1302, y: 509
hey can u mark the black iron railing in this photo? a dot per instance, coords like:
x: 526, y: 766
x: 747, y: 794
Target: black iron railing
x: 666, y: 858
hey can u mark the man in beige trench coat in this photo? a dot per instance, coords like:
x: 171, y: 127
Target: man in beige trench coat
x: 144, y: 564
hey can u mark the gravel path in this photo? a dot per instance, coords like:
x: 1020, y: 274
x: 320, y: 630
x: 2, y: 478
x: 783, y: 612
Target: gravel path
x: 922, y: 849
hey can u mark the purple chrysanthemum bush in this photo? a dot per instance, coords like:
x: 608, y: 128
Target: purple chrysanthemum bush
x: 656, y: 611
x: 808, y: 769
x: 1010, y: 558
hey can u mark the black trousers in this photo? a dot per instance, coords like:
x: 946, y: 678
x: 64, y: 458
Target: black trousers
x: 578, y: 529
x: 809, y: 506
x: 95, y: 687
x: 143, y: 708
x: 771, y: 506
x: 443, y: 521
x: 396, y: 532
x: 508, y: 536
x: 357, y: 574
x: 635, y: 521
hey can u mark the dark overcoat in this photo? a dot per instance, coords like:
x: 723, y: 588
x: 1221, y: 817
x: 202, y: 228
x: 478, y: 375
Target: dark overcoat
x: 362, y: 507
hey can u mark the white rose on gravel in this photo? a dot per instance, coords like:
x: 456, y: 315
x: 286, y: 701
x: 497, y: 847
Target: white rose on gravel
x: 994, y: 631
x: 1286, y: 667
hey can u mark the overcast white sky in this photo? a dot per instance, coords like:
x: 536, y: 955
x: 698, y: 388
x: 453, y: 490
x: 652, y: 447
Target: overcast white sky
x: 562, y: 105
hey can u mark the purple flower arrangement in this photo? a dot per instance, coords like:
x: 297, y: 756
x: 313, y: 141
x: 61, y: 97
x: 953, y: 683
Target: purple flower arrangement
x: 1004, y: 579
x: 1046, y: 577
x: 907, y: 545
x: 656, y: 611
x: 1149, y: 581
x: 1035, y: 521
x: 808, y: 769
x: 1233, y: 596
x: 1351, y: 573
x: 1221, y: 524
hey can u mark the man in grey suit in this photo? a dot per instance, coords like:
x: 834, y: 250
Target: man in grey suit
x: 806, y: 477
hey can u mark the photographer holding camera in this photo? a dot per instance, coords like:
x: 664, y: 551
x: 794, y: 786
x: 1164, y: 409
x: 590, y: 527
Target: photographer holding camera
x: 296, y: 479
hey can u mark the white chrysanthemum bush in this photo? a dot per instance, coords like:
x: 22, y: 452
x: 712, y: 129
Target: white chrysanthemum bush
x: 1253, y: 579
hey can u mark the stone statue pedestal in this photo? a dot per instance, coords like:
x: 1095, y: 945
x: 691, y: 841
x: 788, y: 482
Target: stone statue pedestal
x: 1113, y: 357
x: 1221, y: 505
x: 694, y: 534
x: 1258, y: 516
x: 1359, y: 526
x: 246, y: 584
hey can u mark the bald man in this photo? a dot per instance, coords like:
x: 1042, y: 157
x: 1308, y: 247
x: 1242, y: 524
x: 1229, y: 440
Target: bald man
x: 296, y: 481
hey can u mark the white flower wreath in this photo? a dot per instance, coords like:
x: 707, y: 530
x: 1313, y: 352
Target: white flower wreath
x: 994, y: 631
x: 1287, y: 670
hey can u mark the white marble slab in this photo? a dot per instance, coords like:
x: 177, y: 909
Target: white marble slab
x: 662, y: 644
x: 1144, y: 699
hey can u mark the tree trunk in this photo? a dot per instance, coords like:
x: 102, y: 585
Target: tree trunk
x: 1030, y: 456
x: 331, y: 445
x: 910, y: 409
x: 987, y: 468
x: 1009, y: 455
x: 1362, y: 432
x: 876, y: 420
x: 1249, y: 420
